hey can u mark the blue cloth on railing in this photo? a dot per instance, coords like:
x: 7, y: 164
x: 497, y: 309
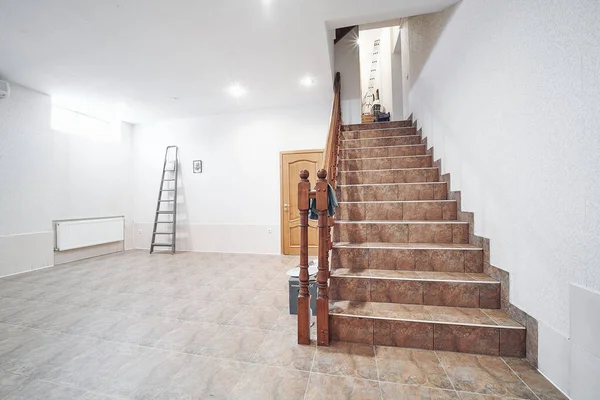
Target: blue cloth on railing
x: 332, y: 204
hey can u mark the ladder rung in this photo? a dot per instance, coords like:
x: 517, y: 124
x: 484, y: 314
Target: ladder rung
x: 162, y: 233
x: 168, y: 180
x: 167, y: 190
x: 164, y: 201
x: 164, y: 212
x: 163, y: 222
x: 162, y: 245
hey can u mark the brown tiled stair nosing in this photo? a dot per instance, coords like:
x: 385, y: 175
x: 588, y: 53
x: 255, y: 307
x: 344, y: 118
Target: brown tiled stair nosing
x: 394, y: 201
x: 403, y: 222
x: 515, y: 325
x: 377, y: 125
x: 381, y: 129
x: 382, y: 147
x: 391, y: 184
x: 373, y: 274
x: 406, y: 246
x: 380, y: 158
x: 389, y: 169
x: 378, y: 138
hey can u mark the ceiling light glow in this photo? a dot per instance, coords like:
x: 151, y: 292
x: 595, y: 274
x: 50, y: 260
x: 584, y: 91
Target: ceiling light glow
x: 307, y: 81
x: 236, y: 90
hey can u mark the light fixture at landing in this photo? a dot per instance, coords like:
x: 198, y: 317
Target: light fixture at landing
x: 236, y: 90
x: 307, y: 81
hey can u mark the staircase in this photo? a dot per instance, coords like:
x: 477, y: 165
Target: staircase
x: 403, y: 271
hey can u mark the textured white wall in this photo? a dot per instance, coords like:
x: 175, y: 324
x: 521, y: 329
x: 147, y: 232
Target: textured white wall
x: 47, y: 175
x: 233, y: 203
x: 383, y: 77
x: 347, y: 63
x: 508, y: 93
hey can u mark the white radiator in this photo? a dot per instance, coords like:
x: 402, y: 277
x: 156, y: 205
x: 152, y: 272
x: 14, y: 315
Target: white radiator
x: 88, y: 232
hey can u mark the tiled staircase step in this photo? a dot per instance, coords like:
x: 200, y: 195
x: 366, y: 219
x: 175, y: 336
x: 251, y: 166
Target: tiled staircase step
x: 377, y: 125
x: 422, y: 210
x: 402, y: 231
x: 413, y: 287
x: 393, y: 192
x: 464, y: 330
x: 384, y: 151
x: 357, y: 164
x: 407, y: 175
x: 408, y: 257
x: 381, y: 141
x: 373, y: 133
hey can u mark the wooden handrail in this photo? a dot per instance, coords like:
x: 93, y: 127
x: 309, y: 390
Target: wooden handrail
x: 333, y: 138
x: 325, y: 224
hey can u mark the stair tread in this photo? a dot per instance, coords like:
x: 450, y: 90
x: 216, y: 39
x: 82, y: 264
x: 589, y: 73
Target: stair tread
x: 381, y: 147
x: 381, y: 129
x: 400, y: 222
x: 377, y: 158
x: 426, y: 314
x: 413, y: 275
x: 383, y: 170
x: 407, y: 246
x: 391, y: 184
x: 395, y: 201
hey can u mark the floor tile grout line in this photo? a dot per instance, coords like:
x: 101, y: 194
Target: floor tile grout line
x: 252, y: 363
x: 310, y: 372
x: 163, y: 350
x: 377, y: 368
x: 521, y: 379
x: 446, y: 372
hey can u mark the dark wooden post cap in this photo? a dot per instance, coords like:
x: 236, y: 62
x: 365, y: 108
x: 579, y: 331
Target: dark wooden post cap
x: 322, y: 174
x: 304, y: 174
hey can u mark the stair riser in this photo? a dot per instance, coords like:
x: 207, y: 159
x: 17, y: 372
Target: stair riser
x: 398, y: 176
x: 438, y: 260
x: 386, y: 163
x: 413, y: 150
x: 402, y: 233
x: 494, y: 341
x: 401, y: 192
x: 377, y: 125
x: 379, y: 142
x: 412, y: 211
x: 431, y: 293
x: 368, y: 134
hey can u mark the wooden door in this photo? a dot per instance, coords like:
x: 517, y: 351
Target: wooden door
x: 292, y: 162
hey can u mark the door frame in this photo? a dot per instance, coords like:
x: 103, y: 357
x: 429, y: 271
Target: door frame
x: 281, y: 187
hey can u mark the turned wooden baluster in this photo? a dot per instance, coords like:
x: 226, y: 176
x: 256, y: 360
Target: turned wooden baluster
x: 303, y: 295
x: 323, y: 274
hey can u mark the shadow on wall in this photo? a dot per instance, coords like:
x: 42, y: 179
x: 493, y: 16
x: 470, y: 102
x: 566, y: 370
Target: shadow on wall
x: 424, y: 32
x: 183, y: 241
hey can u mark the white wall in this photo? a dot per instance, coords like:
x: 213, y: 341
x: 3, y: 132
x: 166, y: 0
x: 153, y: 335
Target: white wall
x: 47, y: 175
x: 347, y: 63
x: 508, y: 93
x: 383, y: 77
x: 235, y: 201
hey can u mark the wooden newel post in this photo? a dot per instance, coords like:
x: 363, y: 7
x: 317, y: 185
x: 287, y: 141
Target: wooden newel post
x: 303, y: 295
x: 323, y: 274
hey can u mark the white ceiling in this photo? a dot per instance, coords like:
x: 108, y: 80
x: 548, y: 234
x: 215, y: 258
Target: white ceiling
x: 139, y: 54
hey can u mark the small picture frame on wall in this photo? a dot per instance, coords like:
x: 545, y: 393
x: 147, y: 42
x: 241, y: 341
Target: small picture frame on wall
x: 197, y: 166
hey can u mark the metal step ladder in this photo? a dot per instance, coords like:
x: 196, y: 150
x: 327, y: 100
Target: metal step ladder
x: 166, y: 206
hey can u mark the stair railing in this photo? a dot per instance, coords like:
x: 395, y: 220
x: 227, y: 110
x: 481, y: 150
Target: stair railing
x: 325, y: 224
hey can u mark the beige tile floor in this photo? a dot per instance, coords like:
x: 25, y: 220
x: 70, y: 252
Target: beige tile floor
x: 209, y: 326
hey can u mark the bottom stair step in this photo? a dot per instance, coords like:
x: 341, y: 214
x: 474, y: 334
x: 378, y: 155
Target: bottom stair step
x: 464, y: 330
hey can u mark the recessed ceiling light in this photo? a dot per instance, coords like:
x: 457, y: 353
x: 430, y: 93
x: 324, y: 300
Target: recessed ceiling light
x: 236, y: 90
x: 307, y: 81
